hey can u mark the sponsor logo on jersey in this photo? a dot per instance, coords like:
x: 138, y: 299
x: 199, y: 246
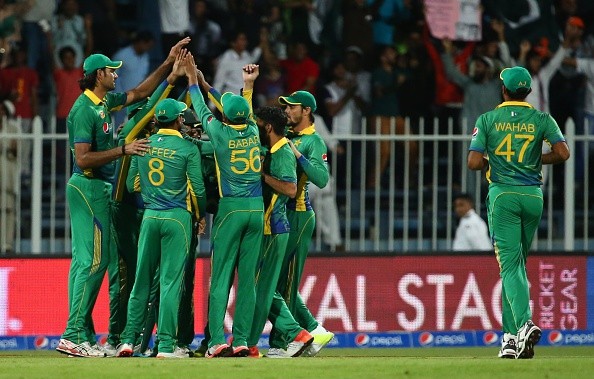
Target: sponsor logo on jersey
x: 106, y: 128
x: 325, y: 157
x: 490, y: 338
x: 475, y: 132
x: 40, y: 342
x: 555, y: 337
x: 426, y: 339
x: 209, y: 119
x: 362, y: 340
x: 101, y: 114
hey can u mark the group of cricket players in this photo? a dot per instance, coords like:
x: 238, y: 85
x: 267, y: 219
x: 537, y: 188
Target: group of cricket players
x: 252, y: 174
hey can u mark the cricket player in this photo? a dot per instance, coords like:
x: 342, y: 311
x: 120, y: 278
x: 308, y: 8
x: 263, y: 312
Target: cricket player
x: 508, y: 140
x: 240, y: 214
x: 170, y: 176
x: 310, y: 151
x: 89, y: 188
x: 126, y: 212
x: 280, y: 184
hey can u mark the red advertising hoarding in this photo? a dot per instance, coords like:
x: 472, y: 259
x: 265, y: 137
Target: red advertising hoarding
x: 347, y: 294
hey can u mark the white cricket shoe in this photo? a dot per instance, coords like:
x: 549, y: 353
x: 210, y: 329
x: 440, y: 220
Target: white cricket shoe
x: 508, y: 346
x: 528, y: 336
x: 125, y: 350
x: 79, y: 350
x: 274, y: 352
x: 321, y: 338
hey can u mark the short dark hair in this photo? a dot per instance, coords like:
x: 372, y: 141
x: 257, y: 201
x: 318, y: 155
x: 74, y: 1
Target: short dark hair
x: 166, y: 124
x: 466, y: 197
x: 143, y: 36
x: 65, y: 50
x: 519, y: 94
x: 274, y: 116
x: 88, y: 81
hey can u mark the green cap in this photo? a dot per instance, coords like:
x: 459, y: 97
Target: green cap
x: 515, y: 78
x: 96, y: 61
x: 168, y: 110
x: 302, y: 98
x: 235, y: 107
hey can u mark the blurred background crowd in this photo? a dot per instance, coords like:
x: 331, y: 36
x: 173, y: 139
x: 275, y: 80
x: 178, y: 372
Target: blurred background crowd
x: 372, y: 60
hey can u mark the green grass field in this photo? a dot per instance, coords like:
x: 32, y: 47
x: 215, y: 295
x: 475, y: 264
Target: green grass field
x: 550, y: 362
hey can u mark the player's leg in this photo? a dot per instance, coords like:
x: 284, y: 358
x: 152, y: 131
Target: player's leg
x: 175, y: 245
x: 148, y: 261
x: 245, y: 303
x: 185, y: 332
x: 532, y: 201
x: 273, y: 248
x: 89, y: 206
x: 224, y: 255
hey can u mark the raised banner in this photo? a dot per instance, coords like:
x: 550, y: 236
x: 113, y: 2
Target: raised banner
x: 454, y: 19
x: 359, y: 295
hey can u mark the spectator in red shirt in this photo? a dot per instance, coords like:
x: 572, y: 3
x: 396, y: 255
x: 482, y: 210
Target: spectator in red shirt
x: 301, y: 72
x: 22, y: 83
x: 67, y: 90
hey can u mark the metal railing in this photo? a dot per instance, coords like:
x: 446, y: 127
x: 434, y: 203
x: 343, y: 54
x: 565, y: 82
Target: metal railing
x: 409, y: 208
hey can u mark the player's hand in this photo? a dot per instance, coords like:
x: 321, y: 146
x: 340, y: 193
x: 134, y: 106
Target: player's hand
x: 295, y: 151
x: 525, y: 47
x: 250, y: 72
x: 176, y: 49
x: 178, y: 69
x: 201, y: 226
x: 138, y: 147
x: 447, y: 44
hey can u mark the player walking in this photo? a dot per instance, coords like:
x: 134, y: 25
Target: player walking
x: 508, y: 140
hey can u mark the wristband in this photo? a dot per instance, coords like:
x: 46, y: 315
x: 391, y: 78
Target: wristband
x: 124, y: 149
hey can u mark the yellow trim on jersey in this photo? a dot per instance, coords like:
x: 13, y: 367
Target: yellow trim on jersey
x: 192, y: 202
x: 218, y: 175
x: 307, y: 131
x: 238, y: 127
x: 515, y: 104
x: 280, y: 143
x: 137, y: 183
x: 91, y: 95
x: 248, y: 94
x: 300, y: 198
x: 88, y: 172
x: 96, y: 248
x: 216, y: 102
x: 268, y: 215
x: 169, y: 132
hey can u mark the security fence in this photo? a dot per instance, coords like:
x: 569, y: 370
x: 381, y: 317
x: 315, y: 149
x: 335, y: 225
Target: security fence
x: 405, y: 207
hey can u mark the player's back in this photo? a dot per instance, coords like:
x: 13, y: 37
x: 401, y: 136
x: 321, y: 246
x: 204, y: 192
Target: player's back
x: 237, y: 157
x: 163, y: 171
x: 514, y: 133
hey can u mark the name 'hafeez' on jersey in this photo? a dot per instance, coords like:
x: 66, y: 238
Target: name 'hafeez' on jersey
x: 512, y: 136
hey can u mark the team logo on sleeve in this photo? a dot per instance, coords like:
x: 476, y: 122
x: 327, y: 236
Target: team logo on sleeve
x: 106, y: 128
x: 102, y: 114
x: 475, y: 132
x: 325, y: 157
x: 209, y: 119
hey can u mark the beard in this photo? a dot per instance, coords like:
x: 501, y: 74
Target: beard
x: 264, y: 137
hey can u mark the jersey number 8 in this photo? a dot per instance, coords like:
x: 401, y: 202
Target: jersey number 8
x: 155, y: 174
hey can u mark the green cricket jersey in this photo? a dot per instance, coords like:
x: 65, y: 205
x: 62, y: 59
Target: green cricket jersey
x: 170, y: 173
x: 280, y: 164
x: 130, y: 132
x: 89, y: 121
x: 312, y: 166
x: 209, y: 173
x: 236, y: 151
x: 512, y: 135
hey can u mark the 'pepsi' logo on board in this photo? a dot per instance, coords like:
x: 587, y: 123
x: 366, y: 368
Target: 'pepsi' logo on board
x: 362, y: 340
x: 490, y: 338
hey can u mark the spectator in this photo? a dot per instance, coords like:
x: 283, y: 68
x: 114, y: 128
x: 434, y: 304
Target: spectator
x: 35, y: 30
x: 344, y: 107
x: 386, y: 14
x: 69, y: 28
x: 207, y: 39
x: 23, y: 82
x: 494, y: 46
x: 9, y: 30
x: 270, y: 85
x: 8, y: 173
x: 175, y: 22
x: 301, y: 72
x: 472, y: 233
x: 357, y: 29
x: 136, y: 69
x: 228, y: 70
x: 243, y: 16
x: 101, y: 16
x: 274, y: 28
x: 354, y: 64
x: 66, y: 77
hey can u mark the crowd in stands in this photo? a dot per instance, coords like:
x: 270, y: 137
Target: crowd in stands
x: 363, y: 59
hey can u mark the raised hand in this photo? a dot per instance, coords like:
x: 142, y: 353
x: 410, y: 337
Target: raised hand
x: 178, y: 66
x: 176, y: 49
x: 250, y: 72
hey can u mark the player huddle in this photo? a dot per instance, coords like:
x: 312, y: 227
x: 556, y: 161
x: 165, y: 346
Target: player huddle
x: 137, y: 210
